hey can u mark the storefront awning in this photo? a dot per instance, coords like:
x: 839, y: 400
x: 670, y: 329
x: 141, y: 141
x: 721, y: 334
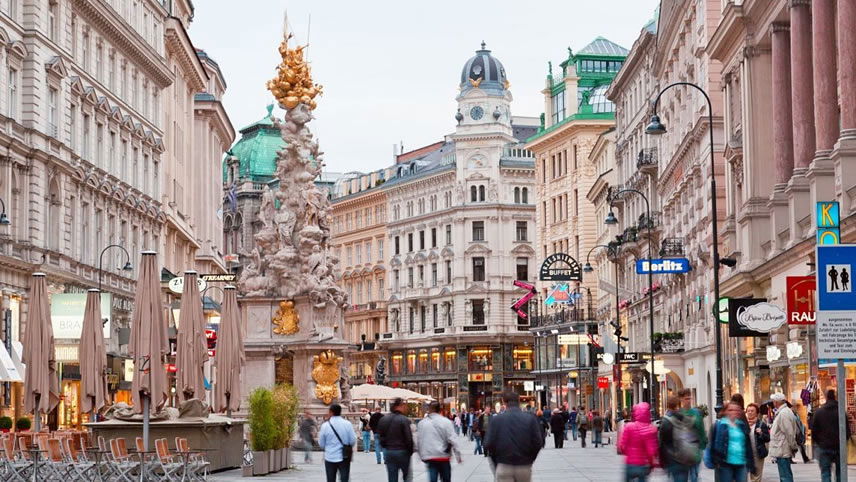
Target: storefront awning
x: 8, y: 370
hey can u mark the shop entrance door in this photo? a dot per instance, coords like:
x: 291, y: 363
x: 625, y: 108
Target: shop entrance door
x: 481, y: 395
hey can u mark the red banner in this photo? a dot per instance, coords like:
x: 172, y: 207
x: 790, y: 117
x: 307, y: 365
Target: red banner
x: 800, y: 293
x: 602, y: 382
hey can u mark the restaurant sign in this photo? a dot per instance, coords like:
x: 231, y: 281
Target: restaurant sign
x: 801, y: 292
x: 560, y: 267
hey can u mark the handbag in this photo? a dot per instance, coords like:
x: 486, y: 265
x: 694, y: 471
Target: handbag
x: 347, y: 450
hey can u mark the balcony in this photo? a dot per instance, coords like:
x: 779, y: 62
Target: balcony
x: 612, y: 197
x: 572, y: 314
x: 669, y: 342
x: 672, y: 247
x: 646, y: 161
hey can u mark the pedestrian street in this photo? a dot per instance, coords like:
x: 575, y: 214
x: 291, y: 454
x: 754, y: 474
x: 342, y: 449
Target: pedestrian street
x: 571, y: 463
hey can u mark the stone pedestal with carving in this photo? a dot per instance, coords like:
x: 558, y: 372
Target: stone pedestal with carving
x: 318, y: 330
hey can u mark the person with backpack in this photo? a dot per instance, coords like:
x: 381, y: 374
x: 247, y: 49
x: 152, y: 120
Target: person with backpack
x: 784, y: 436
x: 337, y: 438
x: 760, y: 437
x: 597, y: 428
x: 396, y: 438
x: 679, y: 444
x: 687, y: 410
x: 583, y: 424
x: 730, y: 448
x: 637, y: 441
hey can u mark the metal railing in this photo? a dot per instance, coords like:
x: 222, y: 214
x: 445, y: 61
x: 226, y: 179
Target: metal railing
x: 653, y: 221
x: 672, y: 247
x: 646, y: 158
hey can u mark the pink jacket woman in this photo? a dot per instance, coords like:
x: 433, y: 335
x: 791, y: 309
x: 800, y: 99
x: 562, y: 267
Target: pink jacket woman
x: 638, y: 439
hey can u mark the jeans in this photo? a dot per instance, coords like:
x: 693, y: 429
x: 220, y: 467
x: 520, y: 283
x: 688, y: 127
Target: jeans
x: 307, y: 449
x: 597, y: 440
x: 636, y: 473
x: 367, y: 442
x: 678, y: 472
x: 574, y: 430
x: 441, y: 469
x: 825, y: 459
x: 397, y: 460
x: 732, y: 473
x: 583, y: 437
x: 558, y: 440
x: 378, y: 450
x: 343, y: 468
x: 694, y: 473
x: 478, y: 450
x: 785, y: 472
x: 457, y: 429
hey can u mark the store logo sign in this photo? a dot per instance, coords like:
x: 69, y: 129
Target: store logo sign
x: 663, y: 266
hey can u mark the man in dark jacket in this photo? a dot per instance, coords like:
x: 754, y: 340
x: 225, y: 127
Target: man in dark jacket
x: 557, y: 427
x: 396, y: 438
x: 824, y: 434
x: 673, y: 421
x: 513, y: 440
x: 374, y: 420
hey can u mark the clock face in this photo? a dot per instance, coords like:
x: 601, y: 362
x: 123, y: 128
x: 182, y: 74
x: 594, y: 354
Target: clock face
x: 476, y: 112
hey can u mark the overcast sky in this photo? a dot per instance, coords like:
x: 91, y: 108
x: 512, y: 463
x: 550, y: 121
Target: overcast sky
x: 390, y: 69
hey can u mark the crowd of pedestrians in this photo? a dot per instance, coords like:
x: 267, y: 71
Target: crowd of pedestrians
x: 738, y: 444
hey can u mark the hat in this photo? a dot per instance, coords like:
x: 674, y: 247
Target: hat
x: 777, y: 397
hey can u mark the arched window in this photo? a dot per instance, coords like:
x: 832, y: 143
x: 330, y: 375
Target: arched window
x: 525, y: 196
x: 481, y: 193
x: 516, y: 195
x: 473, y: 194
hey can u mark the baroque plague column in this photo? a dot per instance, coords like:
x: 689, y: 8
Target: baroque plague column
x: 293, y: 307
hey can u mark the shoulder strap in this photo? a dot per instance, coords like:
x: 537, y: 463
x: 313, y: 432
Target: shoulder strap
x: 335, y: 432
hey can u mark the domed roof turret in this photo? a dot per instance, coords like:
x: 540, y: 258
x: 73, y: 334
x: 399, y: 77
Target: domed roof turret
x: 484, y: 71
x: 256, y: 150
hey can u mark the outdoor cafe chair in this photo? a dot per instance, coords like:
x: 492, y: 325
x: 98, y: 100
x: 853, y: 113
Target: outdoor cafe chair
x: 167, y: 463
x: 123, y: 466
x: 55, y: 466
x: 14, y: 467
x: 196, y: 463
x: 79, y: 466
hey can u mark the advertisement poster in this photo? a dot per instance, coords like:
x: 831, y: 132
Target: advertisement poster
x: 67, y: 314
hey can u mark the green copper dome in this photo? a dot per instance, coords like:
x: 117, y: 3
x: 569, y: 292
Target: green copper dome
x: 256, y: 150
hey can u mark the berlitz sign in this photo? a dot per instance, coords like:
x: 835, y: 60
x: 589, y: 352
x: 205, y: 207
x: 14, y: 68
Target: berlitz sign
x: 663, y: 266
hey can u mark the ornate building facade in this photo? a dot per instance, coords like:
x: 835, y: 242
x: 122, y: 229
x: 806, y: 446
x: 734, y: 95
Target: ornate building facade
x: 459, y: 231
x: 84, y: 116
x: 576, y: 115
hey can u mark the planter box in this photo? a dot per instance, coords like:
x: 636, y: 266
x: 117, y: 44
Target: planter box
x: 246, y: 471
x: 286, y: 458
x: 272, y: 467
x: 261, y: 463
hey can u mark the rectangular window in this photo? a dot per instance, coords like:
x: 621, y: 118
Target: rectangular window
x: 448, y: 234
x: 86, y: 125
x: 397, y: 242
x: 396, y: 280
x: 436, y: 364
x: 410, y: 277
x: 478, y: 230
x: 111, y: 154
x: 53, y: 21
x: 522, y: 269
x: 53, y: 112
x: 72, y: 127
x: 13, y: 91
x: 478, y: 312
x: 522, y: 231
x: 409, y: 242
x: 359, y: 251
x: 422, y: 312
x: 380, y: 250
x: 421, y: 239
x: 350, y: 254
x: 369, y: 292
x: 433, y: 274
x: 421, y: 274
x: 136, y: 167
x: 368, y: 251
x: 124, y: 164
x: 448, y: 271
x: 433, y: 237
x: 380, y: 288
x: 478, y: 269
x: 558, y: 104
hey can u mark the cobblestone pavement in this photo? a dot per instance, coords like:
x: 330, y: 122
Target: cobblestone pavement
x: 571, y: 463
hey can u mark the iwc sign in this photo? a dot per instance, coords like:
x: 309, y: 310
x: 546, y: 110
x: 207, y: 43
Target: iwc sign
x: 560, y: 267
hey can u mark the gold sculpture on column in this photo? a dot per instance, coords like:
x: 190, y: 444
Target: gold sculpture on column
x: 286, y: 319
x: 293, y: 82
x: 325, y: 372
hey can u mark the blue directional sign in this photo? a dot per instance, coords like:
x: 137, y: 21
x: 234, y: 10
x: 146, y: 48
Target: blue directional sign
x: 835, y: 266
x: 663, y: 266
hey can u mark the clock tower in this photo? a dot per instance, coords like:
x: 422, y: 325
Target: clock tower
x: 484, y: 119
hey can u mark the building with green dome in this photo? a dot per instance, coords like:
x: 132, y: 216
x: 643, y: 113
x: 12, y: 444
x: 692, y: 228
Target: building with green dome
x: 248, y: 167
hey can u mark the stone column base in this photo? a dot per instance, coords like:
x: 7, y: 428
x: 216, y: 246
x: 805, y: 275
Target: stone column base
x: 799, y: 207
x: 843, y: 158
x: 780, y: 221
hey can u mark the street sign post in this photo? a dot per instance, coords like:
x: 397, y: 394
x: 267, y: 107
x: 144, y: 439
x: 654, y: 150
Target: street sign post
x: 663, y: 266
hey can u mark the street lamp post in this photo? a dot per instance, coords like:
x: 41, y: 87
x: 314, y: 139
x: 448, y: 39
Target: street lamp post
x: 613, y: 251
x: 4, y: 220
x: 127, y: 266
x: 611, y: 220
x: 657, y: 128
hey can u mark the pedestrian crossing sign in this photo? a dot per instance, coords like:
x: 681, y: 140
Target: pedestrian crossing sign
x: 835, y: 266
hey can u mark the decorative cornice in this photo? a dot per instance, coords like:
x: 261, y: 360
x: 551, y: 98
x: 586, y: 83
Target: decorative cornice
x: 185, y: 53
x: 107, y: 21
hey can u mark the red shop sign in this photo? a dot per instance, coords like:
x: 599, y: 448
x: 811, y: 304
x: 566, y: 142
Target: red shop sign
x: 801, y: 291
x: 602, y: 382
